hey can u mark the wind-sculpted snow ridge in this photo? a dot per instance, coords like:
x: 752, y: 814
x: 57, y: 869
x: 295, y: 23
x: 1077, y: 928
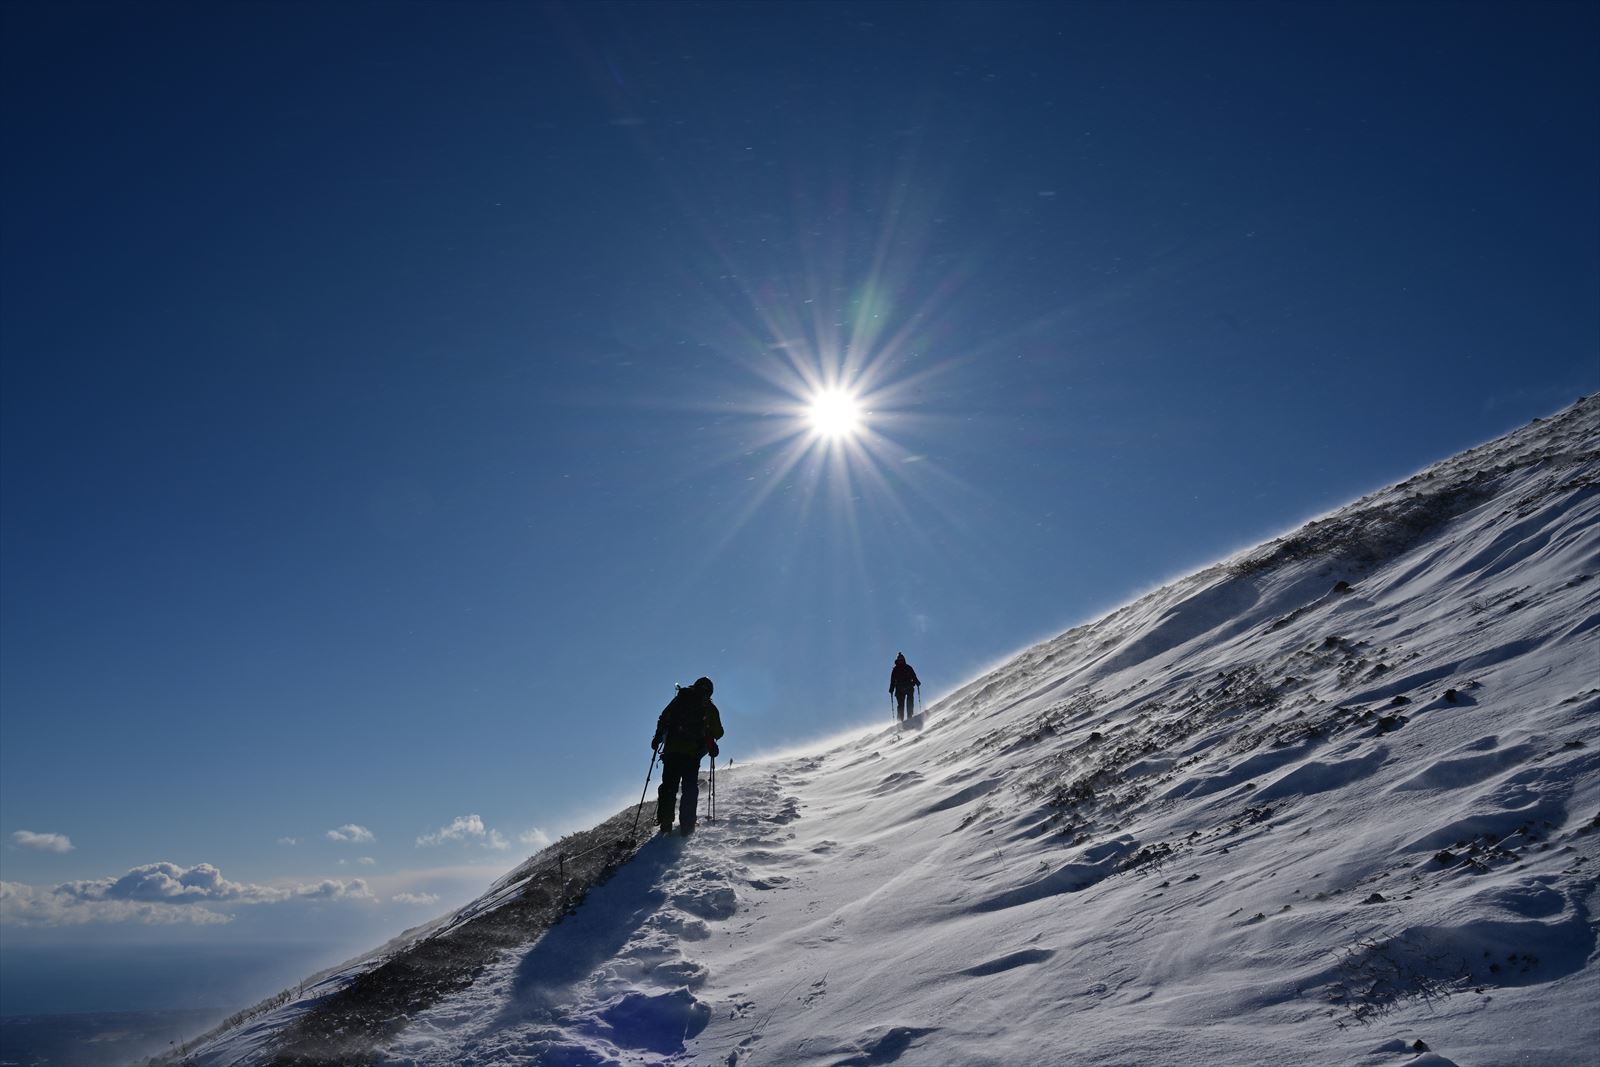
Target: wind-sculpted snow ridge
x: 1333, y: 801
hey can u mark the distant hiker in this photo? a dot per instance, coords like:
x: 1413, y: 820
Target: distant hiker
x: 689, y: 727
x: 903, y: 683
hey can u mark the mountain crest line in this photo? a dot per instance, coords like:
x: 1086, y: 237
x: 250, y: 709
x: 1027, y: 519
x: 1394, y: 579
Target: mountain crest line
x: 1340, y: 788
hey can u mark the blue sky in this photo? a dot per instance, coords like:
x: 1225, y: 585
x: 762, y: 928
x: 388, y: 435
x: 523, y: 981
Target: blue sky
x: 397, y: 400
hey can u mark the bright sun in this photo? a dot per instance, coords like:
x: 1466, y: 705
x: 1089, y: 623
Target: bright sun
x: 834, y: 414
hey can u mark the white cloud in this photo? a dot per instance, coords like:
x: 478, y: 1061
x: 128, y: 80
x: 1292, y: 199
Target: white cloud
x: 534, y: 838
x: 26, y: 905
x: 415, y: 898
x: 156, y: 893
x: 461, y: 828
x: 467, y: 829
x: 351, y: 832
x: 170, y: 883
x: 332, y: 889
x: 42, y: 842
x: 366, y: 861
x: 288, y: 841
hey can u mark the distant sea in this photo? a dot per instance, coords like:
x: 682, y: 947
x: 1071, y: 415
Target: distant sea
x: 96, y: 1039
x: 110, y: 1006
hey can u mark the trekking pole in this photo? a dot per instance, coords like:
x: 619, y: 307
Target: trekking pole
x: 713, y: 817
x: 640, y: 810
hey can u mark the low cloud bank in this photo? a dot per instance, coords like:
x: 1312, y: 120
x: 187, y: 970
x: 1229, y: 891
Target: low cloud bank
x: 157, y: 893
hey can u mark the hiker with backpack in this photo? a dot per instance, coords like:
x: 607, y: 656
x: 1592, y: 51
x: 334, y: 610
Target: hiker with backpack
x: 903, y: 684
x: 688, y: 728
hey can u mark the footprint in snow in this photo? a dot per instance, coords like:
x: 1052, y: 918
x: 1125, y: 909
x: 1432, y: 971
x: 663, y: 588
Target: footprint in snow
x: 774, y: 881
x: 762, y: 855
x: 715, y: 902
x: 689, y: 974
x: 679, y: 925
x: 657, y: 1022
x: 643, y: 958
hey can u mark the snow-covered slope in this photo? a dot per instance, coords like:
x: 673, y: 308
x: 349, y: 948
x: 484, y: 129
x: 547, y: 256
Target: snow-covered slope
x: 1313, y: 805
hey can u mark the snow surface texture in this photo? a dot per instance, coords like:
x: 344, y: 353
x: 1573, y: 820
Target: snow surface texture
x: 1316, y: 804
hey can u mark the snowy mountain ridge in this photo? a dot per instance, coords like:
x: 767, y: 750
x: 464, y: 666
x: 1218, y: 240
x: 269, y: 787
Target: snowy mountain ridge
x: 1333, y: 800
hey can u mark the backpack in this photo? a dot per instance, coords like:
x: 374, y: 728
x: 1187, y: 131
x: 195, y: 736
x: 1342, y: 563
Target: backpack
x: 686, y: 718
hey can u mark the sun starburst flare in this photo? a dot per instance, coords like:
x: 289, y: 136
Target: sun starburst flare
x: 834, y: 414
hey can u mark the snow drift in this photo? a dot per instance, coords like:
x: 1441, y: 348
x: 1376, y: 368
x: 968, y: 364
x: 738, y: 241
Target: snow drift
x: 1331, y: 801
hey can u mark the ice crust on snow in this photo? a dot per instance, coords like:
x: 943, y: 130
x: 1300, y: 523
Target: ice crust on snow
x: 1314, y: 804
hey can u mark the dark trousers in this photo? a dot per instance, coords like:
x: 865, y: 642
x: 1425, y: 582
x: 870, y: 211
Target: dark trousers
x: 905, y: 703
x: 677, y: 769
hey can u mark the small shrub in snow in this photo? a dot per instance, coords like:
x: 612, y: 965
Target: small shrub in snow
x: 1375, y: 975
x: 1150, y: 856
x: 1368, y: 535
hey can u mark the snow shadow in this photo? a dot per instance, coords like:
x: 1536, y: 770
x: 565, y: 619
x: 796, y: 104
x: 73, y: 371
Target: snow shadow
x: 1008, y: 962
x: 1319, y: 776
x: 1456, y: 772
x: 961, y: 797
x: 897, y: 781
x: 884, y: 1045
x: 610, y: 917
x: 1100, y: 863
x: 659, y: 1022
x: 1192, y: 617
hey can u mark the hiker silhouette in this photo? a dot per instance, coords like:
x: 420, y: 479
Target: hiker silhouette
x: 903, y: 684
x: 688, y: 728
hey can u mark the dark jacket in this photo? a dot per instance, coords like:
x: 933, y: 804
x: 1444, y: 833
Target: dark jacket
x: 688, y: 724
x: 903, y: 679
